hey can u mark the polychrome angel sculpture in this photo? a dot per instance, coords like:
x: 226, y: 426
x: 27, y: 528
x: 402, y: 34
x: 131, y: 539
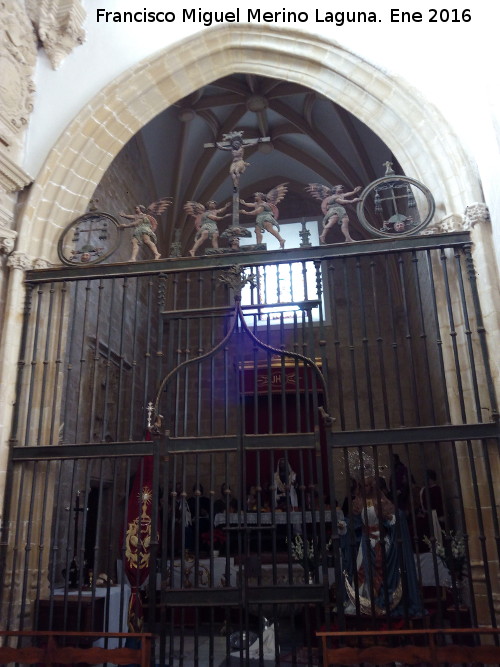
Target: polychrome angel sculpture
x: 145, y: 226
x: 205, y: 222
x: 266, y: 213
x: 333, y: 201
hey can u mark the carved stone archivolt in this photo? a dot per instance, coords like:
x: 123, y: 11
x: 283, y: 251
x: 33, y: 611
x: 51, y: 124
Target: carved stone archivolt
x: 59, y: 25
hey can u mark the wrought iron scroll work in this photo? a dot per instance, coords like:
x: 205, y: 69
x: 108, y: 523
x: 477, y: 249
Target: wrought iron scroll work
x: 236, y: 279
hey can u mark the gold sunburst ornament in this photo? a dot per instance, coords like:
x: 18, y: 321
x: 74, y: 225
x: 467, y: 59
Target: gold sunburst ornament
x: 138, y: 535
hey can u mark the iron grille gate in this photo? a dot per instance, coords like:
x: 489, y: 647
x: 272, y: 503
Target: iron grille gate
x: 304, y: 380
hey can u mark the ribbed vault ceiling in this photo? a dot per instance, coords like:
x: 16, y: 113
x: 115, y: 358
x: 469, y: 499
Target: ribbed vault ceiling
x: 312, y: 140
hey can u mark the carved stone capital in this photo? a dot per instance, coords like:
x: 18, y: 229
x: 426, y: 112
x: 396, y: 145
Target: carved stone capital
x: 59, y: 24
x: 41, y: 263
x: 20, y: 260
x: 7, y: 241
x: 475, y: 213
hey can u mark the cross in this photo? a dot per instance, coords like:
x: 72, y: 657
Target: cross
x: 76, y: 509
x: 73, y: 572
x: 234, y: 142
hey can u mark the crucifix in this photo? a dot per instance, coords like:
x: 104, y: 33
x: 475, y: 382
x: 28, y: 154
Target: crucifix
x: 73, y: 568
x: 234, y: 142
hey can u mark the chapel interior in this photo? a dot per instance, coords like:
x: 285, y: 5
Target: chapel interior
x: 253, y: 444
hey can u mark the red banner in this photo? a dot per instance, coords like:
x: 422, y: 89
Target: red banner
x: 137, y: 541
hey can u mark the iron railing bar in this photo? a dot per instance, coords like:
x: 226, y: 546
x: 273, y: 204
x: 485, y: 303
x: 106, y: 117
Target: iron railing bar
x: 82, y: 360
x: 491, y: 493
x: 98, y: 320
x: 58, y: 361
x: 336, y: 344
x: 391, y: 298
x: 468, y: 335
x: 15, y: 545
x: 177, y: 393
x: 414, y: 434
x: 365, y: 342
x: 147, y: 391
x: 439, y: 338
x: 27, y: 545
x: 482, y: 542
x: 298, y: 408
x: 350, y: 343
x: 97, y: 544
x: 380, y: 343
x: 408, y: 336
x: 45, y: 362
x: 453, y: 335
x: 338, y: 439
x: 423, y: 336
x: 187, y: 356
x: 255, y: 387
x: 55, y: 539
x: 481, y: 331
x: 284, y: 411
x: 89, y: 450
x: 247, y: 259
x: 34, y: 362
x: 108, y: 361
x: 134, y: 361
x: 119, y: 402
x: 41, y: 542
x: 199, y: 352
x: 109, y: 567
x: 124, y: 526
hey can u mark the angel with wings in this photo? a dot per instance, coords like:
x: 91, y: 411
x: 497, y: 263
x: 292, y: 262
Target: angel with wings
x: 266, y: 212
x: 333, y: 201
x: 205, y: 221
x: 145, y: 225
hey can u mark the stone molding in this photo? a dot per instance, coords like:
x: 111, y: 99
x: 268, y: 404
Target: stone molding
x: 7, y: 234
x: 59, y: 25
x: 12, y: 177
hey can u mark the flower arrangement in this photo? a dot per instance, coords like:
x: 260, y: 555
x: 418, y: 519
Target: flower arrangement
x: 219, y: 538
x: 451, y: 552
x: 305, y: 552
x: 297, y: 549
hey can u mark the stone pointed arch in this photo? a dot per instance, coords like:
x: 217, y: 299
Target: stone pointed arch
x: 414, y: 130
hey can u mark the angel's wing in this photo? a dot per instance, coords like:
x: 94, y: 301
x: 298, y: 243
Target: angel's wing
x: 275, y: 195
x: 319, y: 191
x: 157, y: 207
x: 194, y: 208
